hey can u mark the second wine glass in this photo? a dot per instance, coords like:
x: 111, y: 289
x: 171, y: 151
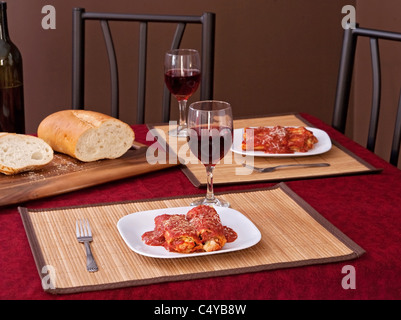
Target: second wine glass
x: 182, y: 77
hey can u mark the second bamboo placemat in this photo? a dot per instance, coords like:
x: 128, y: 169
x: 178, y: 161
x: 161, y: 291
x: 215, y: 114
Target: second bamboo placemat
x: 229, y: 170
x: 293, y: 234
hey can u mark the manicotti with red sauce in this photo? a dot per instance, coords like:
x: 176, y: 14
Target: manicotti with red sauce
x: 278, y: 139
x: 199, y: 230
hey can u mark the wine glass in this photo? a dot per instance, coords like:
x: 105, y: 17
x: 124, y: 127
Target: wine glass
x: 210, y: 135
x: 182, y: 76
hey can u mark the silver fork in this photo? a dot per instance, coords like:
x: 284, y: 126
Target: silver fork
x: 270, y: 169
x: 84, y: 234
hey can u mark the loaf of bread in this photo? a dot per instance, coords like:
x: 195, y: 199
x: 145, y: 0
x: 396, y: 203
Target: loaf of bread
x: 86, y: 135
x: 20, y: 153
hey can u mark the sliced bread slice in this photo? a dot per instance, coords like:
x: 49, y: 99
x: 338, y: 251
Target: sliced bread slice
x: 19, y: 153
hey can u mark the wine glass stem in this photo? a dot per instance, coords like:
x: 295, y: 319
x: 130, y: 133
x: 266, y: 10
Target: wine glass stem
x: 182, y: 104
x: 209, y: 193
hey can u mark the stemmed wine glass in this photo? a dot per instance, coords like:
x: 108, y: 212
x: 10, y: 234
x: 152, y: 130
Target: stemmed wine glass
x: 210, y: 135
x: 182, y: 76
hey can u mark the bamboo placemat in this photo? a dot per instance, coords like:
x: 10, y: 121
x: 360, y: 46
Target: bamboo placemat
x: 229, y: 170
x: 293, y: 234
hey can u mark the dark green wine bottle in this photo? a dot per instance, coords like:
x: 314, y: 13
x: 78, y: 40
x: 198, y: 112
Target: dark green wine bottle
x: 12, y: 117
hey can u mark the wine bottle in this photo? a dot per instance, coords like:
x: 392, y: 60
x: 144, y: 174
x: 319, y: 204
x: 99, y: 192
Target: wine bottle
x: 12, y: 117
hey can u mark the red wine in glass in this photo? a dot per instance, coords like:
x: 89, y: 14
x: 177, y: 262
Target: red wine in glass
x: 182, y: 83
x: 210, y: 135
x: 210, y: 145
x: 182, y: 76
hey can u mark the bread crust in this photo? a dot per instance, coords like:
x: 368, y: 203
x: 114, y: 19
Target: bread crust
x: 63, y: 129
x: 9, y: 171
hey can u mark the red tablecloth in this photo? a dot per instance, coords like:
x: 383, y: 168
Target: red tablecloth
x: 365, y: 207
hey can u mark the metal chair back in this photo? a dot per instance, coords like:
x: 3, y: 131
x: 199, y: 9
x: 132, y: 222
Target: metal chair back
x: 344, y: 86
x: 80, y: 16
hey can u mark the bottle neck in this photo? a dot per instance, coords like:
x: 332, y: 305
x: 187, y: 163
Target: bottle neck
x: 3, y: 22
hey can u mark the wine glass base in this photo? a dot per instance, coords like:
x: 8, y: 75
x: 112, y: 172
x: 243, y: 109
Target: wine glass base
x: 181, y: 133
x: 214, y: 203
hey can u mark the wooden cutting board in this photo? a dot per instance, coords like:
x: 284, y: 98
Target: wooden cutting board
x: 65, y: 174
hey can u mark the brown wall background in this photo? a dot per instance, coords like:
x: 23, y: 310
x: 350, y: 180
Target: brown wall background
x: 271, y: 56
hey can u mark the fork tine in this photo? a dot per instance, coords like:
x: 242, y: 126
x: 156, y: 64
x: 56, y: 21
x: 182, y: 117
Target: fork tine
x: 88, y: 228
x: 84, y: 228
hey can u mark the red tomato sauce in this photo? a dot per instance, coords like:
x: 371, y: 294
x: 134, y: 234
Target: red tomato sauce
x: 230, y: 234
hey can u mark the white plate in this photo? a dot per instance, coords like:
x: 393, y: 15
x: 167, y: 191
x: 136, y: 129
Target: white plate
x: 323, y: 145
x: 134, y: 225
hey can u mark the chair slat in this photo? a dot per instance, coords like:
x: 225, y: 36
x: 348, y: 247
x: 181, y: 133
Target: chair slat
x: 143, y: 45
x: 395, y: 147
x: 344, y: 81
x: 113, y: 68
x: 376, y: 94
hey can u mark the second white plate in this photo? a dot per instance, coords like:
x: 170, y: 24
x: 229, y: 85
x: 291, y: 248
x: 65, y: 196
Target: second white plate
x: 323, y: 145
